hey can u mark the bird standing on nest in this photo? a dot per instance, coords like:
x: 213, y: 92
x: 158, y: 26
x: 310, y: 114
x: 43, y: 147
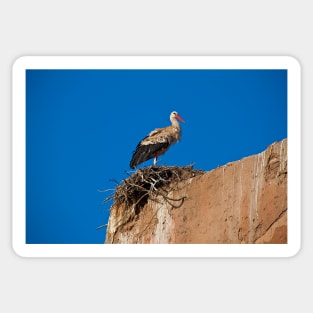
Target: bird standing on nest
x: 157, y: 142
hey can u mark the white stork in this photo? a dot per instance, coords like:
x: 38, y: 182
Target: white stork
x: 157, y: 142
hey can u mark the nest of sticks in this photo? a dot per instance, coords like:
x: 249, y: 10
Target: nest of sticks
x: 151, y: 183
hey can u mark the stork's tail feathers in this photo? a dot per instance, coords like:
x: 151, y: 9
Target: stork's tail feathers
x: 147, y: 152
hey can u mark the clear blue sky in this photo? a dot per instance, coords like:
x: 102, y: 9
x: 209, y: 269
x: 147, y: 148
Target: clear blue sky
x: 83, y: 125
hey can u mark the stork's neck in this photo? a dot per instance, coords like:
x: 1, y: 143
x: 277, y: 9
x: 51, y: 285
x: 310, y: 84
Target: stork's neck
x: 175, y: 123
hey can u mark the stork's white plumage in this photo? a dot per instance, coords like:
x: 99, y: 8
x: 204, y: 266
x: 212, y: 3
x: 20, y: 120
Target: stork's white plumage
x: 157, y: 142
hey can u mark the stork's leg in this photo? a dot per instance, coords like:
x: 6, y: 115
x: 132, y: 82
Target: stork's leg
x: 155, y: 161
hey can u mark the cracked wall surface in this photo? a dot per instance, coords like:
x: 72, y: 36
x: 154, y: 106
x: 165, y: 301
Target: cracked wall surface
x: 241, y: 202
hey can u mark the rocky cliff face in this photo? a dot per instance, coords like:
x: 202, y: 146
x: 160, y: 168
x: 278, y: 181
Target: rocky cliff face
x: 241, y: 202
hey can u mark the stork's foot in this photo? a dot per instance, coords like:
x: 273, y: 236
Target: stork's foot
x: 155, y: 161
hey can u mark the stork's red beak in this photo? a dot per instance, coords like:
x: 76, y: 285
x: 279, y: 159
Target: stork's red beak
x: 179, y: 118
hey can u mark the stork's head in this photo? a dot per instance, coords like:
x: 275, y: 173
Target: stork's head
x: 174, y: 115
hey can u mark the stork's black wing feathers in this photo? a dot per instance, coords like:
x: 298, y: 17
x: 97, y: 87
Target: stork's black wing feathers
x: 147, y: 152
